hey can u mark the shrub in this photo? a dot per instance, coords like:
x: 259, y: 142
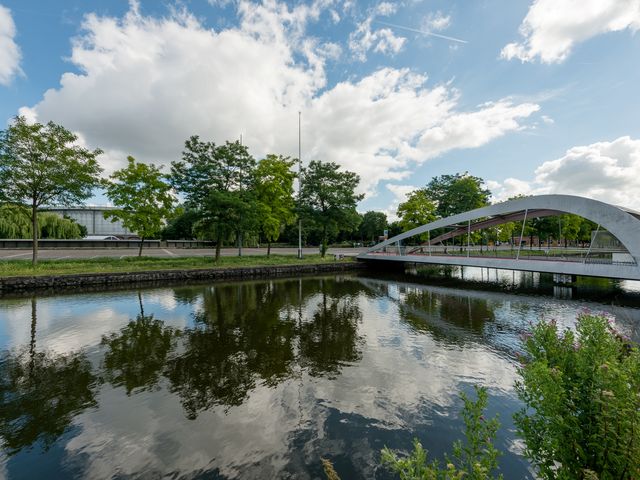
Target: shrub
x: 582, y: 397
x: 474, y: 460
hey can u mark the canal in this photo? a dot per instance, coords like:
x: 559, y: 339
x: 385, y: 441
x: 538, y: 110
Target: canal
x: 262, y: 379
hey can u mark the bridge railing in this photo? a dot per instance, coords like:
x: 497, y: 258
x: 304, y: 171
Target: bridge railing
x: 556, y: 254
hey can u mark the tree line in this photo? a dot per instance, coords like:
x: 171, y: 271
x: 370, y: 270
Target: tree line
x: 228, y: 195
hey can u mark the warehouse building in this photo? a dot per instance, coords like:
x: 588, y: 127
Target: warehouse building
x: 93, y: 219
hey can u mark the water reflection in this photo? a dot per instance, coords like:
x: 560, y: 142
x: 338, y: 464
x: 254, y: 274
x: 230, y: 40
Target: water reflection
x: 41, y: 393
x: 136, y: 356
x: 256, y: 379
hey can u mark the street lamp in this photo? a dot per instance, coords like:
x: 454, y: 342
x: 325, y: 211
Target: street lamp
x: 299, y: 187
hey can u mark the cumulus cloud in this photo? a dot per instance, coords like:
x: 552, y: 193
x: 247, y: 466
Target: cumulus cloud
x: 146, y: 84
x: 9, y: 50
x: 381, y: 40
x: 436, y: 22
x: 606, y: 171
x: 386, y: 8
x: 474, y: 129
x: 553, y: 27
x: 400, y: 194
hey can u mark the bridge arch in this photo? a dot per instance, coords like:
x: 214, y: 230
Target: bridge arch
x: 621, y: 222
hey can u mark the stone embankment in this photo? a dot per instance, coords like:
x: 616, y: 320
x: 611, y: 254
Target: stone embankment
x: 92, y: 280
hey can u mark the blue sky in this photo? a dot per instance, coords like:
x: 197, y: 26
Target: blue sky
x: 533, y: 96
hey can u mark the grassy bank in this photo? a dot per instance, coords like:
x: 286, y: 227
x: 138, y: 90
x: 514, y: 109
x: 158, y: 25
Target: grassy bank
x: 16, y: 268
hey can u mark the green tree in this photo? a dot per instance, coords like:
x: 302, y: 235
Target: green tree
x: 457, y: 193
x: 505, y: 231
x: 83, y: 229
x: 143, y: 199
x: 328, y: 199
x: 42, y: 165
x: 15, y: 223
x: 570, y: 227
x: 394, y: 229
x: 545, y: 228
x: 180, y: 225
x: 373, y: 225
x: 225, y: 214
x: 416, y: 211
x: 586, y: 227
x: 582, y: 401
x: 274, y: 192
x: 213, y: 179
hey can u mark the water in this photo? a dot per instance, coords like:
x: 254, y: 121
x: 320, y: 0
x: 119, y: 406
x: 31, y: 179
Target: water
x: 261, y: 379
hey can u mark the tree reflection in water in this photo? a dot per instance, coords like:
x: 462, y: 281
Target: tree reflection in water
x: 243, y: 334
x: 136, y: 356
x: 250, y: 333
x: 41, y: 393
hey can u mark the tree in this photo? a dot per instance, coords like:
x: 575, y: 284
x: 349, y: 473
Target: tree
x: 570, y: 227
x: 394, y: 229
x: 42, y: 165
x: 545, y: 228
x: 143, y: 197
x: 505, y: 231
x: 457, y: 193
x: 84, y: 231
x: 586, y: 228
x: 224, y: 214
x: 214, y: 178
x: 417, y: 210
x: 328, y: 199
x: 180, y: 225
x: 373, y: 225
x: 15, y: 223
x: 274, y: 192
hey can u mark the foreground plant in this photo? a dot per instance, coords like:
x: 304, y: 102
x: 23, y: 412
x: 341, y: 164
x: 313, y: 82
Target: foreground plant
x: 582, y: 397
x: 476, y: 459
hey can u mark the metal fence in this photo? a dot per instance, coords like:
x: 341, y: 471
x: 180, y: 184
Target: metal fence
x: 77, y: 244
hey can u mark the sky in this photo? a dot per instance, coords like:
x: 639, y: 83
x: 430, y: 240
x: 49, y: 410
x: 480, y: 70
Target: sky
x: 532, y: 96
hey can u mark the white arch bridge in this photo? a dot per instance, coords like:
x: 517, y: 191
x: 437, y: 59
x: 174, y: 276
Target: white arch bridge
x: 618, y: 257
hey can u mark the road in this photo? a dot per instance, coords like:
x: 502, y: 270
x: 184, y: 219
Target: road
x: 63, y: 254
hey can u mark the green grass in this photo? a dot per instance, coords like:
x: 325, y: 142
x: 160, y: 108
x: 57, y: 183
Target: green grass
x: 16, y: 268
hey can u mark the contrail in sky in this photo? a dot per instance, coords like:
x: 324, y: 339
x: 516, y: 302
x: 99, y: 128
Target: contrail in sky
x: 424, y: 32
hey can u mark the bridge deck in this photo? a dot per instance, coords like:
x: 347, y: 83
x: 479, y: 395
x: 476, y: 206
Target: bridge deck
x: 592, y: 267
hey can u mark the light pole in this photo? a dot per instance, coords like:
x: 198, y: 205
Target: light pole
x: 299, y: 187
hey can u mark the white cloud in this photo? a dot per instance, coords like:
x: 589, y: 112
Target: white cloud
x: 400, y: 194
x: 474, y: 129
x: 509, y: 188
x: 606, y: 171
x: 9, y: 50
x: 383, y: 40
x: 219, y: 3
x: 553, y: 27
x: 386, y: 8
x: 436, y: 22
x: 147, y: 84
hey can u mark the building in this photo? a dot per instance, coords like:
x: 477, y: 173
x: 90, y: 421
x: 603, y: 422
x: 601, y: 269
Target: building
x: 93, y: 219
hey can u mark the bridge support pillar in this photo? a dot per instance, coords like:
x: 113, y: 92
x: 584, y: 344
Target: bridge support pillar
x: 562, y: 278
